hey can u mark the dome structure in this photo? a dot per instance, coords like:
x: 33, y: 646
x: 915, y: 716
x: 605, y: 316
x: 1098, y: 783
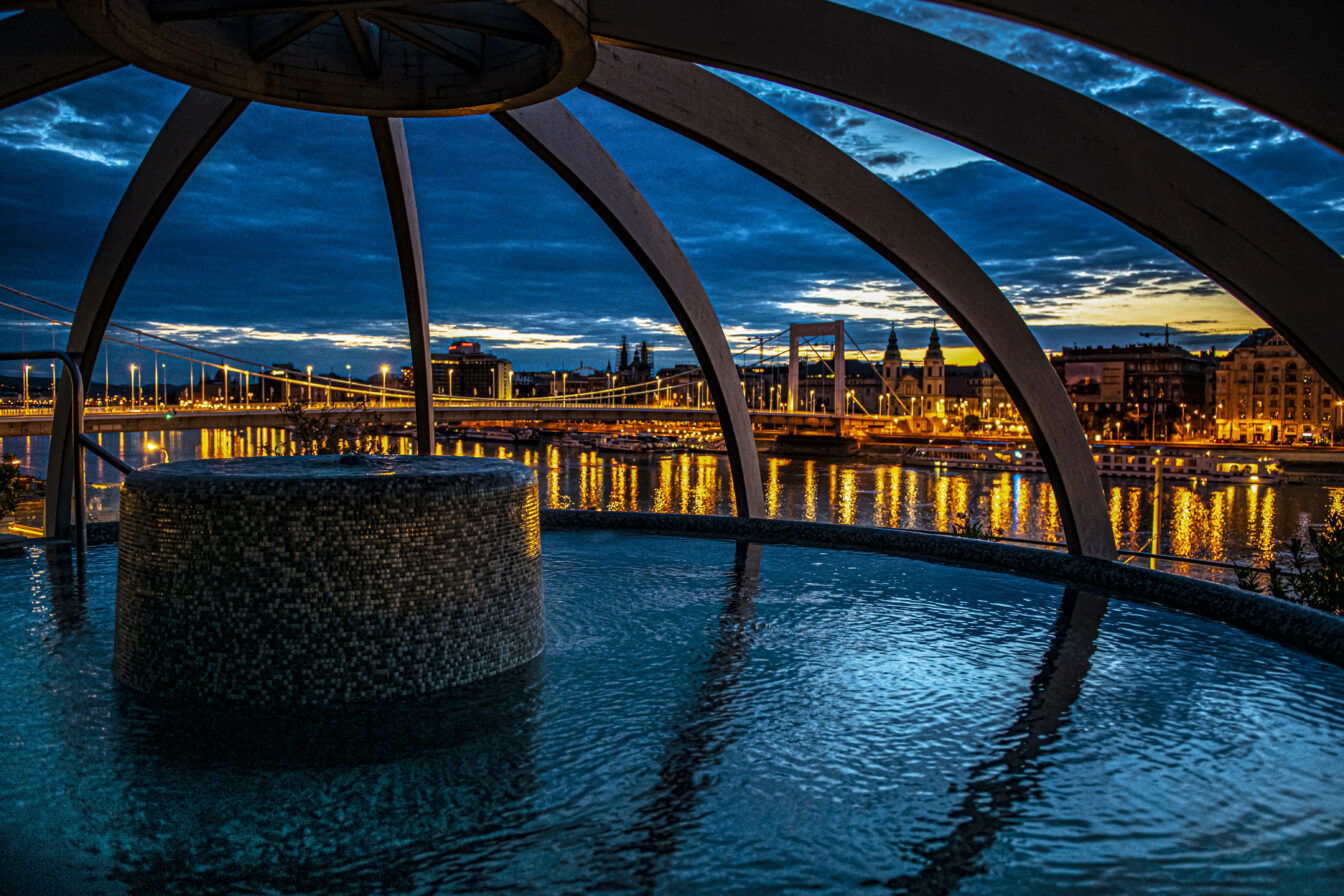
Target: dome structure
x: 391, y: 59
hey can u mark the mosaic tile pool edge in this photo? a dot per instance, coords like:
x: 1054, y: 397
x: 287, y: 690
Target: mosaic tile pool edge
x: 331, y: 591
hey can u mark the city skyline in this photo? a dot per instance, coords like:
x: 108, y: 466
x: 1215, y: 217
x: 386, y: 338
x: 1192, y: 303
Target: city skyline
x: 280, y: 248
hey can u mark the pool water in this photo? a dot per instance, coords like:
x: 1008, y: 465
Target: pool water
x: 707, y: 718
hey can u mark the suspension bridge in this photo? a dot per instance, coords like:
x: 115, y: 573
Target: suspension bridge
x: 225, y: 391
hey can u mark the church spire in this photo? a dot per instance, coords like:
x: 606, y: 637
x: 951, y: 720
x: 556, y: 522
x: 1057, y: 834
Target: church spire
x: 935, y: 346
x: 893, y: 352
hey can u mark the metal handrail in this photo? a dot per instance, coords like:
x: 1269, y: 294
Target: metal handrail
x: 76, y: 434
x: 105, y: 455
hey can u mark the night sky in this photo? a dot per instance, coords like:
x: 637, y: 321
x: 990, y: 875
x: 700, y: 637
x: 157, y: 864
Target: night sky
x: 279, y: 249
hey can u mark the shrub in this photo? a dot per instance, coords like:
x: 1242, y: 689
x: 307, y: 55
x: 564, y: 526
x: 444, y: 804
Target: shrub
x: 12, y: 485
x: 967, y: 526
x: 328, y: 431
x: 1317, y: 581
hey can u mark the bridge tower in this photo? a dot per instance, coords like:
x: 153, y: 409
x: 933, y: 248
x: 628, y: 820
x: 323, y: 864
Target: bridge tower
x: 836, y: 330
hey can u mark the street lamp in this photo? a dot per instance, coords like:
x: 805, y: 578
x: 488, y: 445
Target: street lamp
x: 151, y: 446
x: 384, y: 371
x: 132, y: 387
x: 26, y: 368
x: 310, y: 383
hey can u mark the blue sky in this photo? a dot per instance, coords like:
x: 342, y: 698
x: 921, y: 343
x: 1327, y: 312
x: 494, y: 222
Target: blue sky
x: 279, y: 248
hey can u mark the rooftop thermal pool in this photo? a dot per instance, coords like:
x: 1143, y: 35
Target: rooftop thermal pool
x: 706, y: 718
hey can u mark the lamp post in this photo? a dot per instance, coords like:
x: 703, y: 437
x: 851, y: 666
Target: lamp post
x: 26, y: 368
x: 132, y: 387
x: 349, y: 379
x: 384, y: 371
x: 226, y: 385
x: 152, y: 446
x: 309, y: 391
x: 156, y: 385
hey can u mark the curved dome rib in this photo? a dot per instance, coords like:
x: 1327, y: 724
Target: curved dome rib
x: 186, y: 138
x: 389, y: 140
x: 1284, y: 62
x: 44, y: 52
x: 564, y: 144
x: 711, y: 111
x: 1239, y: 239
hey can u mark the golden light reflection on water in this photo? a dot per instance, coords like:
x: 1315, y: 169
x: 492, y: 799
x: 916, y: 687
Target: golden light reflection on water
x: 1219, y: 504
x: 810, y: 490
x: 1246, y: 523
x: 847, y: 504
x: 912, y: 482
x: 618, y: 498
x: 706, y: 488
x: 1047, y: 508
x: 1188, y: 517
x: 1263, y: 537
x: 662, y: 496
x: 1000, y: 503
x: 944, y: 514
x: 772, y: 486
x: 881, y: 499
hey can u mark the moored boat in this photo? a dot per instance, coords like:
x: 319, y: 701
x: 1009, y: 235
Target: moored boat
x: 1113, y: 461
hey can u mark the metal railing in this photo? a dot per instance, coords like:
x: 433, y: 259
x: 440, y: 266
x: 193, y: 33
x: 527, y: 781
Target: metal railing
x: 77, y: 438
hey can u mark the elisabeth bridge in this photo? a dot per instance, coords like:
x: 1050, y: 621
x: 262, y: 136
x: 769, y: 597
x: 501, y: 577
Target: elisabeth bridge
x: 387, y: 60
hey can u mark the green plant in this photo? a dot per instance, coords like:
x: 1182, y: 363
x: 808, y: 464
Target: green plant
x: 330, y: 431
x: 12, y: 485
x: 1314, y: 571
x: 967, y: 526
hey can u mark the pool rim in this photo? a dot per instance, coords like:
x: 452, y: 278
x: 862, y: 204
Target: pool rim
x: 1292, y: 625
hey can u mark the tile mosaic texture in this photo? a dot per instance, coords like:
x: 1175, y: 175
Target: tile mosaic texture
x: 318, y: 580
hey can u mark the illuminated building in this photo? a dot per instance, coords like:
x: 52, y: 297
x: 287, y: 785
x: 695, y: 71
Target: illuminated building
x: 467, y: 371
x: 1137, y: 391
x: 1266, y: 392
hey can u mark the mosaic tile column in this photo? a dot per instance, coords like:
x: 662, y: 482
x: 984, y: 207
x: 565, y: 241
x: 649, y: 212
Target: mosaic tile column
x: 318, y: 580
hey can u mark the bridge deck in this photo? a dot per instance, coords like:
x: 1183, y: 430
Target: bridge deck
x: 98, y: 420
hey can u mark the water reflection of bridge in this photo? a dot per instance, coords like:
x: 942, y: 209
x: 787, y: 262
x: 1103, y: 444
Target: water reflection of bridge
x: 120, y: 419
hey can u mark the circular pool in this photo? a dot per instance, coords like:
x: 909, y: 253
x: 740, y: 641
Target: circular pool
x: 707, y: 718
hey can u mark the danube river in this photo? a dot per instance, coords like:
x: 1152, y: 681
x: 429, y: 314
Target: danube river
x: 1241, y: 523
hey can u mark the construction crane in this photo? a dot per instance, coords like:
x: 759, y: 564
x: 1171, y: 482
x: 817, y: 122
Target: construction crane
x: 1166, y: 334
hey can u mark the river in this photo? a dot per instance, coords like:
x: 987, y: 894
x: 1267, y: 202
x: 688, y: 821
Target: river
x: 1240, y: 523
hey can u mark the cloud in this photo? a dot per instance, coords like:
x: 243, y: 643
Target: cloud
x: 280, y: 244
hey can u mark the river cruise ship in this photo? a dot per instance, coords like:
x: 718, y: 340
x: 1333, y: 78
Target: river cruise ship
x: 1113, y: 461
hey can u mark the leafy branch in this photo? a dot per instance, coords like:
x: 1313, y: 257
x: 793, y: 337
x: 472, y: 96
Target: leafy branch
x: 968, y: 526
x: 12, y: 485
x: 1313, y: 573
x: 329, y: 430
